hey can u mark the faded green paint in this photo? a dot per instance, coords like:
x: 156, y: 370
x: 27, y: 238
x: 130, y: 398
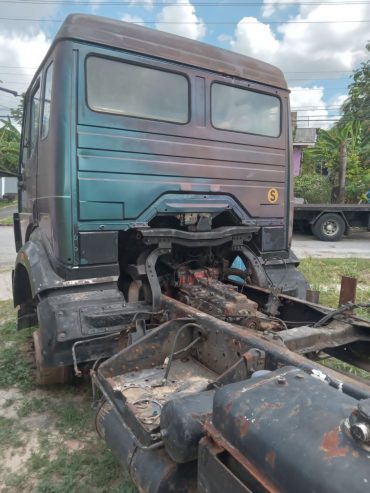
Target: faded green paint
x: 99, y: 171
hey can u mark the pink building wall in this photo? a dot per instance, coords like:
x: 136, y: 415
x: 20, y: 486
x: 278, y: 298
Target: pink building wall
x: 297, y: 153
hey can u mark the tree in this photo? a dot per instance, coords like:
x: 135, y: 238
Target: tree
x: 344, y: 150
x: 357, y: 107
x: 9, y: 147
x: 337, y: 153
x: 10, y: 140
x: 17, y: 113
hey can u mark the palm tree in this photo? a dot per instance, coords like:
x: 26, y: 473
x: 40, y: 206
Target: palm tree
x: 332, y: 150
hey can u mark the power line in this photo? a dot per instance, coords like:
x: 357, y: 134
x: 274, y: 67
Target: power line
x: 26, y: 77
x: 166, y: 4
x: 18, y: 67
x: 303, y: 89
x: 316, y: 108
x: 312, y: 72
x: 286, y: 72
x: 295, y: 79
x: 362, y: 21
x: 15, y: 75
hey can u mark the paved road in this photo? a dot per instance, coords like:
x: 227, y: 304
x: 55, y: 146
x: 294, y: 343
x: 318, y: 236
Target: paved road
x: 356, y: 245
x: 7, y: 211
x: 7, y: 257
x: 7, y: 249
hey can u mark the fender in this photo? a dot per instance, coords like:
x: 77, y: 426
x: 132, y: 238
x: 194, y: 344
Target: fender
x: 326, y: 211
x: 33, y: 271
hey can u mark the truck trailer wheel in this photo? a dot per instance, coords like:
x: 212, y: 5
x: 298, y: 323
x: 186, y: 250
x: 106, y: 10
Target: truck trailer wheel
x: 48, y: 376
x: 329, y: 227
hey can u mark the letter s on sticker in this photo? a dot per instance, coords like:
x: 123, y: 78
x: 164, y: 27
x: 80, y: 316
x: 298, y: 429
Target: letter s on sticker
x: 273, y: 195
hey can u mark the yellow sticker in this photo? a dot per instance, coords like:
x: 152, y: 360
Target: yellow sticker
x: 272, y: 195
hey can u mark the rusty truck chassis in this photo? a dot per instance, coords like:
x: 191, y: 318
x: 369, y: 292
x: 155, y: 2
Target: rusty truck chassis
x: 164, y: 397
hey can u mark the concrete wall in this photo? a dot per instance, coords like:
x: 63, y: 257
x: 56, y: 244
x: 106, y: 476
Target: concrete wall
x: 8, y: 187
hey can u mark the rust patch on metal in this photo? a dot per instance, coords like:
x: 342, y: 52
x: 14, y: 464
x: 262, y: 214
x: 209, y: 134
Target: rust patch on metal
x: 220, y: 441
x: 248, y: 338
x: 330, y: 445
x: 211, y: 445
x: 202, y: 418
x: 228, y: 407
x: 244, y: 425
x: 271, y: 458
x: 347, y: 290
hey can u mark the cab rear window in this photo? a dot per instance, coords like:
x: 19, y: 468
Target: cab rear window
x: 136, y: 91
x: 242, y: 110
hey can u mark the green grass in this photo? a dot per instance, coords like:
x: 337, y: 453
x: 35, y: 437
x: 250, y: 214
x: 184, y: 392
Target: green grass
x: 9, y: 434
x: 91, y: 469
x: 7, y: 311
x: 59, y: 470
x: 337, y: 364
x: 15, y: 359
x: 54, y: 467
x: 324, y: 275
x: 32, y: 405
x: 6, y: 221
x: 7, y: 203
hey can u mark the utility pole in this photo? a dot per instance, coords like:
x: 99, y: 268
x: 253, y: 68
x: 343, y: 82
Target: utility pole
x: 342, y: 171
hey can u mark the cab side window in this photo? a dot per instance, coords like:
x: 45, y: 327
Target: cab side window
x: 46, y: 102
x: 34, y: 119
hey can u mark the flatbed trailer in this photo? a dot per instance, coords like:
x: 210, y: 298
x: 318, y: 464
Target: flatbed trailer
x: 329, y: 222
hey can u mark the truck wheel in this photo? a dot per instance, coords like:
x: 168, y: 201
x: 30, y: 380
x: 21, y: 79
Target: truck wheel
x: 329, y: 227
x: 48, y: 376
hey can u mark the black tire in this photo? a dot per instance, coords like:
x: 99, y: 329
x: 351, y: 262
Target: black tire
x: 329, y: 227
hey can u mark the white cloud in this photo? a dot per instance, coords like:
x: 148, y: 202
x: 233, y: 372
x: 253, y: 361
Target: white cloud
x: 256, y: 38
x: 135, y: 19
x: 23, y: 45
x: 270, y: 8
x: 224, y: 38
x: 147, y: 4
x: 312, y: 46
x: 27, y: 11
x: 181, y: 19
x: 338, y: 100
x: 26, y: 52
x: 310, y: 106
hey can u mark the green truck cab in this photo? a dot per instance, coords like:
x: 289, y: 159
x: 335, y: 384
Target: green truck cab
x: 140, y: 146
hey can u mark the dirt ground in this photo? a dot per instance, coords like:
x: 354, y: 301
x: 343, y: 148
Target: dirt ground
x: 48, y: 443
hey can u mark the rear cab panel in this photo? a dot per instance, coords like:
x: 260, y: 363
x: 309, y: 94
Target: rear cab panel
x: 125, y: 164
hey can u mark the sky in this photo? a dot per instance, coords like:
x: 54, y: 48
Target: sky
x: 317, y: 44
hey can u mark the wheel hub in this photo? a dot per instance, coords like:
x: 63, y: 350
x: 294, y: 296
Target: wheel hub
x: 330, y: 228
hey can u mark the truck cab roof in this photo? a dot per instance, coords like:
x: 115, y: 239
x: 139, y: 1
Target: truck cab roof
x: 131, y: 37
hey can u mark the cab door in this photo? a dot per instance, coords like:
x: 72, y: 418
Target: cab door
x: 28, y: 166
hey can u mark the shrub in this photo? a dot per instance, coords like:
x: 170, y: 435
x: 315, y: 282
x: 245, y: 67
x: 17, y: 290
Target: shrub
x: 312, y: 187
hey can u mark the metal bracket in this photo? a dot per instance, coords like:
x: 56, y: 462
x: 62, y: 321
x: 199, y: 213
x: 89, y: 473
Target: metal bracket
x: 152, y: 275
x: 254, y: 360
